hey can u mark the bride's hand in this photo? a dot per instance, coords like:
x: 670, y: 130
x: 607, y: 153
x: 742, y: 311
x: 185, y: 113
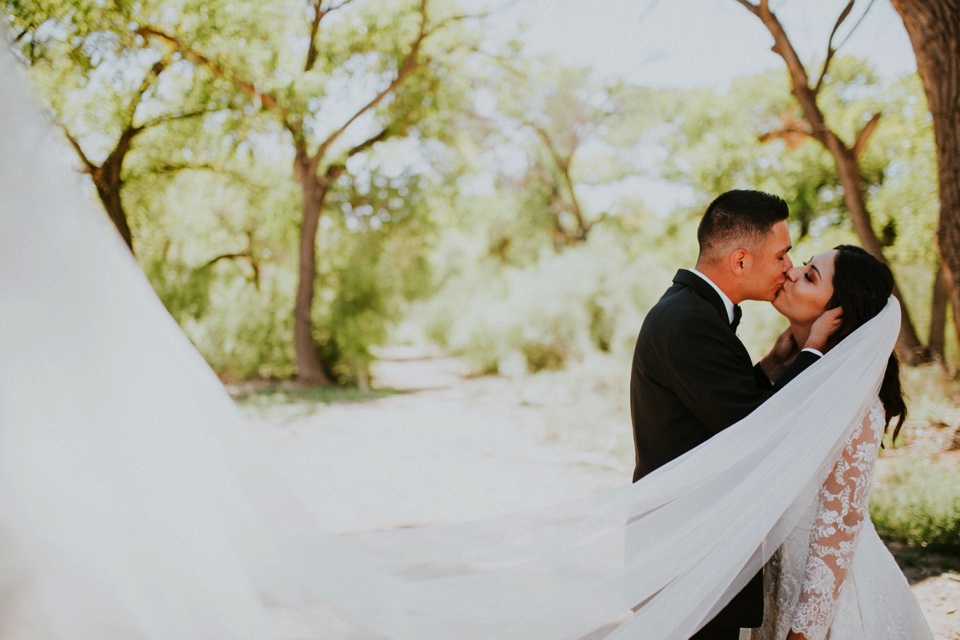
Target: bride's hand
x: 823, y: 327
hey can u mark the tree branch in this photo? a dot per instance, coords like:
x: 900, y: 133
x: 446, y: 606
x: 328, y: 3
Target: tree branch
x: 791, y: 135
x: 408, y: 66
x: 148, y: 80
x: 226, y: 256
x: 386, y: 132
x: 462, y: 17
x: 799, y: 81
x: 173, y: 167
x: 268, y: 100
x: 89, y: 166
x: 318, y: 14
x: 831, y: 51
x: 864, y: 137
x: 563, y: 164
x: 856, y: 26
x: 175, y: 116
x: 752, y: 8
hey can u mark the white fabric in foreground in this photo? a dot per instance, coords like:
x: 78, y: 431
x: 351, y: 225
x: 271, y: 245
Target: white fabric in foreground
x: 133, y: 503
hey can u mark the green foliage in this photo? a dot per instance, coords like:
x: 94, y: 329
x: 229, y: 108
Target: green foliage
x: 909, y: 201
x: 933, y: 395
x: 590, y: 297
x: 918, y: 504
x: 569, y: 133
x: 218, y: 250
x: 215, y: 211
x: 247, y: 332
x: 184, y: 291
x: 729, y: 141
x: 751, y: 137
x: 206, y: 182
x: 354, y: 320
x: 373, y: 262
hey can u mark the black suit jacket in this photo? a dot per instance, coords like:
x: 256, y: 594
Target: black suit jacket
x: 692, y: 378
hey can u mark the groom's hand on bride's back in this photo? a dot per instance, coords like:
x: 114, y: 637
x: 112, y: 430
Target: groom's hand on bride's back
x: 824, y: 327
x: 780, y: 356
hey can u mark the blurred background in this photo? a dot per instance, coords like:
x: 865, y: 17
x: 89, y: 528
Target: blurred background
x: 320, y: 189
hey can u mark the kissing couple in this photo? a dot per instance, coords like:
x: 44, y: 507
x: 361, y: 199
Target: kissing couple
x: 692, y: 378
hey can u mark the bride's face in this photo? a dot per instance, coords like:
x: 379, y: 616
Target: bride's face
x: 808, y: 289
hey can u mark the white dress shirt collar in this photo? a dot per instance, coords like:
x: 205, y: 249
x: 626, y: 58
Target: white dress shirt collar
x: 727, y: 303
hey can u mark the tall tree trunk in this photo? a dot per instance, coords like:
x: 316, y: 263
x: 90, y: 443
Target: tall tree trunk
x: 938, y: 314
x: 309, y: 369
x: 909, y: 346
x: 934, y: 30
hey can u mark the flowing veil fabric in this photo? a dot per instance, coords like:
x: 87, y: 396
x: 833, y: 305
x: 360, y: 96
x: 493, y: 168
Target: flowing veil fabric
x: 134, y: 504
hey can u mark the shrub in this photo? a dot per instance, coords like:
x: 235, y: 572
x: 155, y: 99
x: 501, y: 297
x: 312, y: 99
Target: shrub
x: 918, y: 504
x: 591, y: 297
x: 254, y: 343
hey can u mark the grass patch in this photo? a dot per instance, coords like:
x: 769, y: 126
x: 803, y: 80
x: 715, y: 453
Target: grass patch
x: 932, y: 394
x: 918, y: 504
x: 290, y: 400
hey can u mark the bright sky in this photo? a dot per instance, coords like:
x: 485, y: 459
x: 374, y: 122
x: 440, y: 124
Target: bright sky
x: 688, y: 43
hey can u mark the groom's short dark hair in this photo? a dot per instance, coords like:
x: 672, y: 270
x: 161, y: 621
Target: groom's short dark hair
x: 739, y: 217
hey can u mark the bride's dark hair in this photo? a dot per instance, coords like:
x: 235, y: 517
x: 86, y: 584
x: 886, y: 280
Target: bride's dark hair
x: 862, y: 285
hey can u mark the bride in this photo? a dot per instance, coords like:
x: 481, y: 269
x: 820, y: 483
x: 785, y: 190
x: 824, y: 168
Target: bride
x: 133, y: 503
x: 833, y: 577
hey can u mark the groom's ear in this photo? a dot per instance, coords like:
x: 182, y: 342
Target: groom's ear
x: 739, y: 261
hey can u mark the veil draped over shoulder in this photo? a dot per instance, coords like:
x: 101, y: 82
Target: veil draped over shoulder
x: 135, y: 504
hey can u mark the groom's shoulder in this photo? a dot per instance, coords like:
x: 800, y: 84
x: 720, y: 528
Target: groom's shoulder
x: 681, y: 302
x: 679, y: 315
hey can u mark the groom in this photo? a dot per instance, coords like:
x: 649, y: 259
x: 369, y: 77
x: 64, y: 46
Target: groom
x: 692, y: 377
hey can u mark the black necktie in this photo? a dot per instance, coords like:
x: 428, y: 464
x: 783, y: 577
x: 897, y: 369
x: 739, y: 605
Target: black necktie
x: 737, y: 313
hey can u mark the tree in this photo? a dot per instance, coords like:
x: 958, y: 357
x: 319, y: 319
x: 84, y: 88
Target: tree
x: 109, y: 177
x: 577, y: 137
x: 563, y: 112
x: 934, y: 30
x: 79, y: 57
x: 845, y: 155
x: 389, y: 81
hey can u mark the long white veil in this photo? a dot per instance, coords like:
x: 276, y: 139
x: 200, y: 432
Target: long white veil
x: 134, y: 504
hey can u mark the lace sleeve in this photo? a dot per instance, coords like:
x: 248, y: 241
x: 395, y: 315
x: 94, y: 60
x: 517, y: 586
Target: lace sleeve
x: 844, y: 500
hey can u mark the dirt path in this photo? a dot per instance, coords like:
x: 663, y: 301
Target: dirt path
x: 449, y: 450
x: 454, y: 448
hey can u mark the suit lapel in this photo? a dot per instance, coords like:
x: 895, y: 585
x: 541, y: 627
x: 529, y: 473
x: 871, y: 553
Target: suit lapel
x: 687, y: 278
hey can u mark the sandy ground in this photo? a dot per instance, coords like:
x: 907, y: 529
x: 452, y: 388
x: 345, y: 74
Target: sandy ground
x: 453, y: 449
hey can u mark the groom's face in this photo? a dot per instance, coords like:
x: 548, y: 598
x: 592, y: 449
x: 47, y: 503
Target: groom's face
x: 769, y: 264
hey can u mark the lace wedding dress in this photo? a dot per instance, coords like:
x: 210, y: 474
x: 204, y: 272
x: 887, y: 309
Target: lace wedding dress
x: 833, y: 577
x: 134, y: 503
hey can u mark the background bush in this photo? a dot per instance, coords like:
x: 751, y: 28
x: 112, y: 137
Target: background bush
x: 917, y: 503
